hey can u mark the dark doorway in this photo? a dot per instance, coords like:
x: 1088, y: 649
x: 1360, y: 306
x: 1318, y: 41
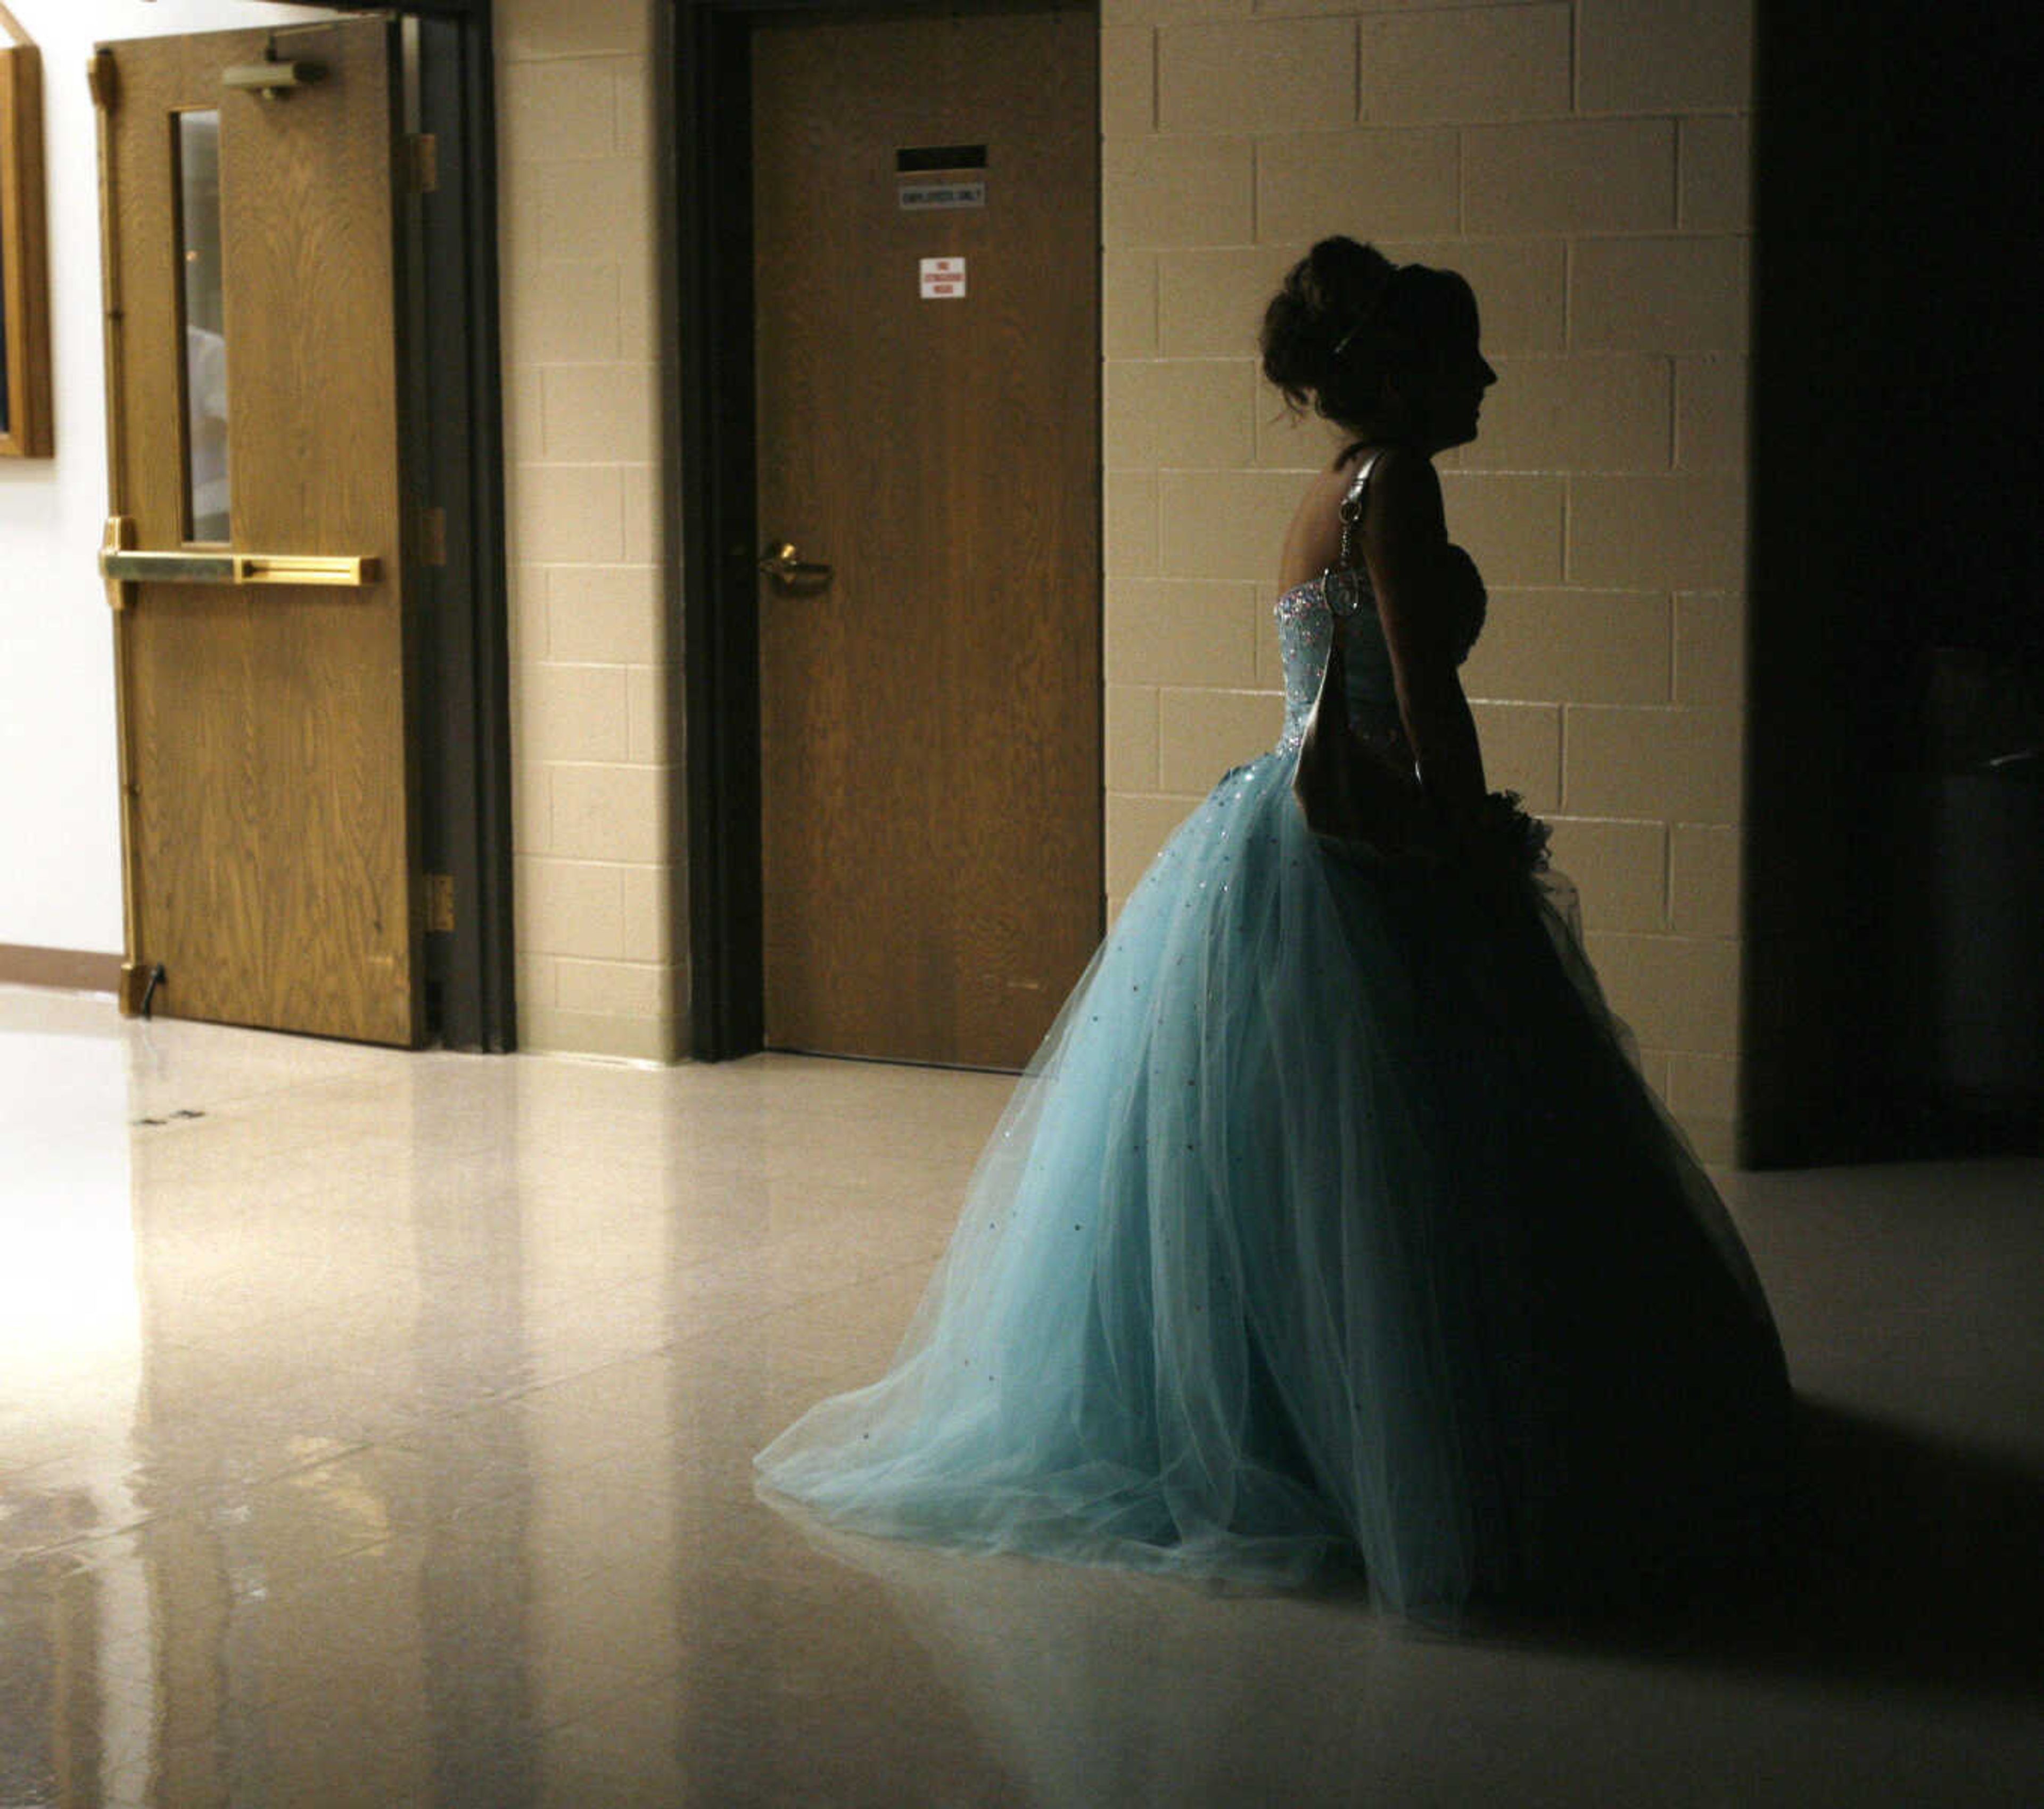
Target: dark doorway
x: 1895, y: 860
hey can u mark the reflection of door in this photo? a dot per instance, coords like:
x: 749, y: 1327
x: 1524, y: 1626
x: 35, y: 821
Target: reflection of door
x: 930, y: 712
x: 252, y: 420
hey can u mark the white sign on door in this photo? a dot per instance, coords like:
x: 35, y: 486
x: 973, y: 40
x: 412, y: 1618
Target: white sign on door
x: 922, y: 197
x: 943, y: 279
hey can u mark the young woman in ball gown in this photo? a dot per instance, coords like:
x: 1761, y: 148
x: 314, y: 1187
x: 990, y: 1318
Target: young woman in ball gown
x: 1332, y: 1225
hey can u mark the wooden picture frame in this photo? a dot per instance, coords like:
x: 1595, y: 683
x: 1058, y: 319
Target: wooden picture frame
x: 25, y: 290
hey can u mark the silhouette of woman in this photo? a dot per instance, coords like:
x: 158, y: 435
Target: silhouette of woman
x: 1332, y: 1224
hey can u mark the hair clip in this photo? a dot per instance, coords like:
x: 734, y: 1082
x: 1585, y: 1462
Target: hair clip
x: 1370, y: 312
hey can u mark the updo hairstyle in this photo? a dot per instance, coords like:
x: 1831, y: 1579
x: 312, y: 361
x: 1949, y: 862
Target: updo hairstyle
x: 1349, y: 330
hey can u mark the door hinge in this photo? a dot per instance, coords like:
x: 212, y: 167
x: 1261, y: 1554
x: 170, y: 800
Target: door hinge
x: 440, y: 904
x: 432, y: 540
x: 99, y: 76
x: 422, y: 153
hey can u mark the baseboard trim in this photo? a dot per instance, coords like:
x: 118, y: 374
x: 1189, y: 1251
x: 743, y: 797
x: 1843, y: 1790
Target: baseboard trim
x: 67, y: 970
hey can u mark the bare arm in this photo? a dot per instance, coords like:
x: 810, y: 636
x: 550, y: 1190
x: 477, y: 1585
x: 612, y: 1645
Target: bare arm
x: 1405, y: 541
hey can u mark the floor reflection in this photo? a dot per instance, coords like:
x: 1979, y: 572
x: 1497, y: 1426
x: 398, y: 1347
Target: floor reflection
x: 376, y: 1429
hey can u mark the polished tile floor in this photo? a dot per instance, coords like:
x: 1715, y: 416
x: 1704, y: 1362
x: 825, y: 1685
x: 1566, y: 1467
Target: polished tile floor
x: 374, y: 1429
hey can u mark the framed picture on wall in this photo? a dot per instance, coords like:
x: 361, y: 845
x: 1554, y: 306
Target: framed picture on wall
x: 25, y: 308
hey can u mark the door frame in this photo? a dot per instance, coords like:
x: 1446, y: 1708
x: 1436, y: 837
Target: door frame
x: 708, y: 405
x: 454, y: 420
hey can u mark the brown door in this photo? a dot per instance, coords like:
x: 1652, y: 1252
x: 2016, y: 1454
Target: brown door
x: 254, y: 552
x: 925, y: 221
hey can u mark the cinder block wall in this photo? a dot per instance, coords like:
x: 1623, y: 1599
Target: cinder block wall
x: 592, y: 656
x: 1585, y: 166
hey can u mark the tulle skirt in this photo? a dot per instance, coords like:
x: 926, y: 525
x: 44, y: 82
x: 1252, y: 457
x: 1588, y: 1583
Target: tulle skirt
x: 1330, y: 1226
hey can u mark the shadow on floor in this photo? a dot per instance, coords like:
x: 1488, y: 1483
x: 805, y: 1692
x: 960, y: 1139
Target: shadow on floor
x: 1909, y: 1558
x: 1908, y: 1587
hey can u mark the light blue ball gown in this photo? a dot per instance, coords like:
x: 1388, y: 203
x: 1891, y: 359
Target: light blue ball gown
x: 1330, y: 1226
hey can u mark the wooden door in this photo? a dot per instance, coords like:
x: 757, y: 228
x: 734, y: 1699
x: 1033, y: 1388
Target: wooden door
x: 253, y: 422
x: 928, y: 431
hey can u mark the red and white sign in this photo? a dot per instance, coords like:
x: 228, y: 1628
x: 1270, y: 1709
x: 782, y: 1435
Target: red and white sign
x: 943, y: 279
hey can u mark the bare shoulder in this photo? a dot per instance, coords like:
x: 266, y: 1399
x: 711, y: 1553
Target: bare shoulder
x: 1405, y: 538
x: 1312, y: 542
x: 1405, y: 505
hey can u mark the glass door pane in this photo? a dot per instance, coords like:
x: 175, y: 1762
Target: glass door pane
x: 207, y: 511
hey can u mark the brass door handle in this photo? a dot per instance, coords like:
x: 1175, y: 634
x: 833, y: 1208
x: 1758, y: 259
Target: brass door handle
x: 121, y: 566
x: 271, y: 79
x: 235, y: 568
x: 779, y: 563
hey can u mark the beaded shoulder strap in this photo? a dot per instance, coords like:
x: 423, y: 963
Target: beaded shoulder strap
x: 1342, y: 586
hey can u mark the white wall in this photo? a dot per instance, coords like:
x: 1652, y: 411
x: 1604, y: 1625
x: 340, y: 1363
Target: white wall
x: 59, y: 820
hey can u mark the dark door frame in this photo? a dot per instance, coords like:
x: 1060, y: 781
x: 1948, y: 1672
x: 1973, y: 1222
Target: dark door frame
x: 706, y: 191
x: 456, y: 428
x: 457, y: 607
x: 712, y: 536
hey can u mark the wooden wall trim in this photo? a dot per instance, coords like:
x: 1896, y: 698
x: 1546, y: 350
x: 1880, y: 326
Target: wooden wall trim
x: 69, y: 970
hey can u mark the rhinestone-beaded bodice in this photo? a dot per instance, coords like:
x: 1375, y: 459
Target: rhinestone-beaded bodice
x: 1306, y: 631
